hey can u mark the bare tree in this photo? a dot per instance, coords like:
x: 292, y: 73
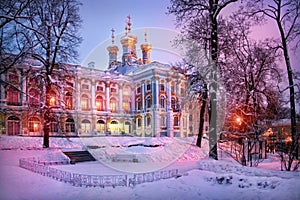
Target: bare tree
x: 286, y: 15
x: 51, y: 28
x: 207, y: 13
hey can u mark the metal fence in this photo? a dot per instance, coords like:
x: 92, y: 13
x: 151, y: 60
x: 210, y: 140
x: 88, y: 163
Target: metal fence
x: 83, y: 180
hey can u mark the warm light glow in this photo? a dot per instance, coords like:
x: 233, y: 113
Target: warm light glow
x: 35, y: 126
x: 239, y: 120
x: 52, y: 101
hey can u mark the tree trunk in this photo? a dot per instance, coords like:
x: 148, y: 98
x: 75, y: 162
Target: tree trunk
x: 294, y: 148
x: 46, y: 118
x: 213, y: 153
x: 201, y: 123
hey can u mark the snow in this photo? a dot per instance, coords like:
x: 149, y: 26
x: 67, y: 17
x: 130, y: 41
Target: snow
x: 200, y: 177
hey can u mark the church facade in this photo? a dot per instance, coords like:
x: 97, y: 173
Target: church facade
x: 134, y: 96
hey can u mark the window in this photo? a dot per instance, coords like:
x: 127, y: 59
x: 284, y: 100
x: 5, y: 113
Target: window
x: 113, y: 90
x: 69, y: 100
x: 33, y: 97
x: 139, y: 104
x: 70, y: 84
x: 12, y: 96
x: 113, y: 105
x: 100, y: 126
x: 52, y: 99
x: 173, y: 103
x: 138, y: 90
x: 162, y: 101
x: 126, y: 106
x: 100, y: 88
x: 114, y: 127
x: 148, y: 86
x: 162, y: 87
x: 53, y: 126
x: 182, y: 91
x: 85, y: 126
x: 126, y: 91
x: 191, y: 117
x: 84, y: 102
x: 148, y: 102
x: 127, y: 127
x: 13, y: 78
x: 163, y: 121
x: 34, y: 124
x: 70, y: 125
x: 99, y: 103
x: 85, y: 86
x: 176, y: 121
x: 139, y: 122
x: 148, y: 121
x: 13, y: 125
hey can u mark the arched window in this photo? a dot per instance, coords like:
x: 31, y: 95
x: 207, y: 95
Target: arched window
x: 13, y: 125
x: 148, y: 120
x: 13, y: 96
x: 100, y: 126
x: 52, y: 98
x: 127, y: 127
x: 70, y: 125
x: 99, y: 103
x: 138, y: 104
x: 162, y: 101
x: 114, y: 127
x: 113, y: 105
x: 69, y: 100
x: 33, y: 97
x: 34, y: 125
x: 148, y: 102
x: 85, y: 126
x: 173, y: 103
x: 84, y: 102
x: 139, y: 121
x: 126, y: 106
x: 176, y: 121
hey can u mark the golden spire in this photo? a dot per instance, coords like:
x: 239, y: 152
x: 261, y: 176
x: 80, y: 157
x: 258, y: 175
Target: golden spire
x: 128, y: 24
x: 112, y: 36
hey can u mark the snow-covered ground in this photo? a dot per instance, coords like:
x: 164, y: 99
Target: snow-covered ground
x: 201, y: 177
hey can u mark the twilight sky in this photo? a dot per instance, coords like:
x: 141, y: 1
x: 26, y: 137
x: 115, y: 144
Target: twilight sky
x: 99, y: 17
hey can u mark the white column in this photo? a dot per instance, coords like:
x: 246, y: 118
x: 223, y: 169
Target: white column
x: 93, y: 85
x: 107, y: 85
x: 157, y: 91
x: 24, y: 88
x: 78, y: 94
x: 133, y: 91
x: 168, y: 95
x: 143, y: 95
x: 120, y: 98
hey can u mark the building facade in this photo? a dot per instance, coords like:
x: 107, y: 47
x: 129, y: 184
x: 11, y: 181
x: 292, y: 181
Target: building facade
x: 133, y: 96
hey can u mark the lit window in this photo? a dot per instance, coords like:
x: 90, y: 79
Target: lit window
x: 113, y: 105
x: 126, y: 106
x: 100, y: 126
x: 85, y: 126
x: 114, y: 127
x: 69, y: 100
x: 99, y: 103
x: 34, y: 124
x: 84, y: 102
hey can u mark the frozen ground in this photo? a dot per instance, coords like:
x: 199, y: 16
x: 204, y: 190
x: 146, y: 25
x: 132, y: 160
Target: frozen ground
x: 201, y: 177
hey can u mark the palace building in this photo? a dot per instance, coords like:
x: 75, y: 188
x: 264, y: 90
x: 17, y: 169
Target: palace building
x: 134, y: 96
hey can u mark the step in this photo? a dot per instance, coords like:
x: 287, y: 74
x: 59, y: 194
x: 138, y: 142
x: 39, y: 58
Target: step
x: 79, y: 156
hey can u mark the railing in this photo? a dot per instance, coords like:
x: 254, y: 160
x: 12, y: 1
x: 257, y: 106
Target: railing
x: 83, y: 180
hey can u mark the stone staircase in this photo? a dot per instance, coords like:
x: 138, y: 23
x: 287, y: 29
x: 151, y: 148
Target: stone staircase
x: 79, y: 156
